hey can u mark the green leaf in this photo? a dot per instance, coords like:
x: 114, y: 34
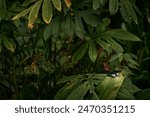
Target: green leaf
x: 115, y: 46
x: 57, y: 4
x: 68, y: 27
x: 124, y: 92
x: 103, y: 2
x: 27, y: 2
x: 80, y: 53
x: 47, y: 11
x: 91, y: 19
x: 122, y: 35
x: 79, y: 92
x: 34, y: 11
x: 130, y: 9
x: 66, y: 90
x: 96, y: 4
x: 105, y: 45
x: 79, y: 28
x: 92, y: 51
x: 109, y: 87
x: 143, y: 95
x: 23, y: 13
x: 123, y: 11
x: 9, y: 44
x: 113, y: 6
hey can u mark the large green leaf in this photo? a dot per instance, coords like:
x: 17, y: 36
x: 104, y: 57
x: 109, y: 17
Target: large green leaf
x: 80, y: 53
x: 57, y: 4
x: 79, y: 28
x: 121, y: 34
x: 34, y: 12
x: 47, y: 11
x: 113, y: 6
x: 109, y: 87
x: 92, y: 51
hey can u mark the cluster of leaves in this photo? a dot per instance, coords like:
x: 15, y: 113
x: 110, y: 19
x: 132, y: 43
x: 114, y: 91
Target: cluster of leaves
x: 63, y: 49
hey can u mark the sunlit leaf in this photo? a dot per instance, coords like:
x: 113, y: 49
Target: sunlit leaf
x: 47, y: 11
x: 57, y: 4
x: 109, y: 87
x: 34, y: 12
x: 68, y: 3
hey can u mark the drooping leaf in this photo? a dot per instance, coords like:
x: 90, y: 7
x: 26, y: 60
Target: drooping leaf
x: 57, y: 4
x: 79, y: 28
x: 68, y: 3
x: 80, y: 53
x: 109, y: 87
x: 123, y: 35
x: 113, y: 6
x: 27, y: 2
x: 34, y: 12
x: 66, y: 90
x: 79, y: 92
x: 92, y: 51
x: 23, y: 13
x: 47, y: 11
x: 127, y: 90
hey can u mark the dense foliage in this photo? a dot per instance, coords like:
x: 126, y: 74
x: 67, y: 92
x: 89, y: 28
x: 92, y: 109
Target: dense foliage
x: 66, y: 49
